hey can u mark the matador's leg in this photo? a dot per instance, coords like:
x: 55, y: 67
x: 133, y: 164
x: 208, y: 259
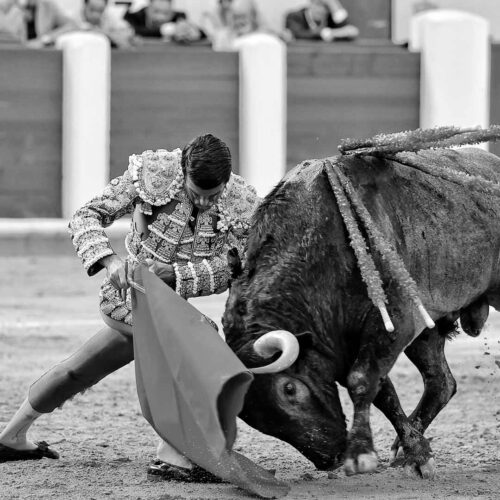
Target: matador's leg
x: 104, y: 353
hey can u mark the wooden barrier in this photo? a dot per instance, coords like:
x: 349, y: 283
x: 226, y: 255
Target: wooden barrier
x: 30, y: 132
x: 495, y: 93
x: 343, y: 90
x: 163, y: 96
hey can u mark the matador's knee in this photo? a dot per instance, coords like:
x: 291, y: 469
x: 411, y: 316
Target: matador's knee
x: 103, y: 354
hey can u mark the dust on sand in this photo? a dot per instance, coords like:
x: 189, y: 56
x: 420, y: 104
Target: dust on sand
x: 48, y: 308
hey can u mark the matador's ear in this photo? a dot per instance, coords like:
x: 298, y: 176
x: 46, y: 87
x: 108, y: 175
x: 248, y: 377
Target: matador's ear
x: 234, y: 263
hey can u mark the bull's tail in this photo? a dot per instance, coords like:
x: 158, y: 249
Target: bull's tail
x: 416, y: 140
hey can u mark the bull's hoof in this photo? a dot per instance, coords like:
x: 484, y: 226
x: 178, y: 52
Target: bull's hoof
x: 425, y: 471
x: 363, y: 463
x: 411, y: 469
x: 397, y: 455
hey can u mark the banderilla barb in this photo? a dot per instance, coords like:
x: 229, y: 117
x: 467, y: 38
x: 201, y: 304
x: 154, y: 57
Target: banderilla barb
x: 369, y: 273
x: 347, y: 199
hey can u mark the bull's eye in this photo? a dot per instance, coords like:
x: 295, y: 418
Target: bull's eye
x: 290, y: 389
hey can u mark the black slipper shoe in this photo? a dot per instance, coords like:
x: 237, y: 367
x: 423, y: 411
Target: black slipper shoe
x: 159, y: 470
x: 8, y: 454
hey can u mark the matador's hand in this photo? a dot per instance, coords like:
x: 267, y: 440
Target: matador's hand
x: 117, y: 273
x: 164, y: 271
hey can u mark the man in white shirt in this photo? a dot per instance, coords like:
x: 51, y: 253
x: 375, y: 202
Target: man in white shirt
x: 12, y: 25
x: 52, y: 21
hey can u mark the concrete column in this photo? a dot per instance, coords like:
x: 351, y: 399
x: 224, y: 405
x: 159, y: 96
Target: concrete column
x: 86, y: 117
x: 262, y: 110
x: 455, y: 68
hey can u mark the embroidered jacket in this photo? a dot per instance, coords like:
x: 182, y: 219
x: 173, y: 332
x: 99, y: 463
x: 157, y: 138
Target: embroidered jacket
x: 152, y: 188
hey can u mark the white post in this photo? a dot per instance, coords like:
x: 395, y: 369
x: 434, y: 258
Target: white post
x: 455, y: 68
x: 86, y: 117
x: 262, y: 110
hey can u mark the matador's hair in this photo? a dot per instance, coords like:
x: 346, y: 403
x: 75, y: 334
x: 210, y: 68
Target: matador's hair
x: 207, y: 161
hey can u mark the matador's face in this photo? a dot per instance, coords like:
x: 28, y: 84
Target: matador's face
x: 203, y: 199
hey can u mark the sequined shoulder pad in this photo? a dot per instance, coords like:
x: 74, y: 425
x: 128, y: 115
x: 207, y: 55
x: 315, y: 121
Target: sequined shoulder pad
x: 241, y: 201
x: 157, y: 175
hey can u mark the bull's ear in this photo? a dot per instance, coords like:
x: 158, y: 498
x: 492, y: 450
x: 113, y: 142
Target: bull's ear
x: 234, y: 263
x: 305, y: 339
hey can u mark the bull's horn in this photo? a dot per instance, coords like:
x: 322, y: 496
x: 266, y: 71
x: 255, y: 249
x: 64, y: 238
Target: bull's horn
x: 276, y: 341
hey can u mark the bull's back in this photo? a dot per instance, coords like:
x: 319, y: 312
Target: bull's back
x: 447, y: 234
x: 447, y: 231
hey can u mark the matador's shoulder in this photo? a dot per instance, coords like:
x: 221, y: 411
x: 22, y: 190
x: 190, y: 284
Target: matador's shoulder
x: 241, y: 199
x: 156, y: 175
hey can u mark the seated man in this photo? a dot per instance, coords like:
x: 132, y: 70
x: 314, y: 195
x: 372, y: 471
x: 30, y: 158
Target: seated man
x: 319, y: 21
x: 240, y: 17
x: 12, y: 25
x: 229, y: 20
x: 51, y: 22
x: 160, y: 20
x: 30, y: 8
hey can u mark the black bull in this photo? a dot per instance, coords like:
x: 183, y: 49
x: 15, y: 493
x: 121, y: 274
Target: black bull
x: 301, y: 276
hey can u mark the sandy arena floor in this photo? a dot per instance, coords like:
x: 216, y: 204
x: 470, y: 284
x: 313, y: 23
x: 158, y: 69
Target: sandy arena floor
x: 48, y: 307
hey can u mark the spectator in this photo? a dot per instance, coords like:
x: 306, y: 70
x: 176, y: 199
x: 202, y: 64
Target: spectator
x: 230, y: 20
x: 321, y: 20
x: 51, y: 22
x: 45, y: 17
x: 160, y: 20
x: 12, y: 25
x: 30, y: 9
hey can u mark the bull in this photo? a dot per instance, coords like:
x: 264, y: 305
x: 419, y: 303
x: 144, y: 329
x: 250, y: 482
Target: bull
x: 301, y: 297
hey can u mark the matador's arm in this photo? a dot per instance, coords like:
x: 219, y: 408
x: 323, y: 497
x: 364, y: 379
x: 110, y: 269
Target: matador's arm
x: 87, y: 224
x: 211, y: 275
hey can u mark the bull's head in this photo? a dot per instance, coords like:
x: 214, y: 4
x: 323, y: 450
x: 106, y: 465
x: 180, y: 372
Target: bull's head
x: 294, y: 396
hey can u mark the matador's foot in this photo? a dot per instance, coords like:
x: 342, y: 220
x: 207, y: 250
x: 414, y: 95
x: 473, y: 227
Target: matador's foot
x: 42, y: 450
x: 160, y: 470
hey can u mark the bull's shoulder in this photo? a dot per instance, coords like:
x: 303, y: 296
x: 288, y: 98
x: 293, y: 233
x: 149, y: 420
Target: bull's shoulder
x: 305, y: 173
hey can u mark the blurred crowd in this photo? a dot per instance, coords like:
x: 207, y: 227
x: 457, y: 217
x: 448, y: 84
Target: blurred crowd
x: 39, y: 23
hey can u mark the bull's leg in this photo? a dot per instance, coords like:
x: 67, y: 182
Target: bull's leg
x: 377, y: 354
x: 427, y: 354
x: 416, y: 448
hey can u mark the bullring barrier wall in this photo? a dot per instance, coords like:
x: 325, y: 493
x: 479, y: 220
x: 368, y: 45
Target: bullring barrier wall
x: 161, y: 96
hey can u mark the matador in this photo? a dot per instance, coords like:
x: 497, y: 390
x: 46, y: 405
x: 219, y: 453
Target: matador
x: 188, y: 210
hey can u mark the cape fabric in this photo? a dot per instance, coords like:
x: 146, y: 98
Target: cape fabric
x: 191, y: 386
